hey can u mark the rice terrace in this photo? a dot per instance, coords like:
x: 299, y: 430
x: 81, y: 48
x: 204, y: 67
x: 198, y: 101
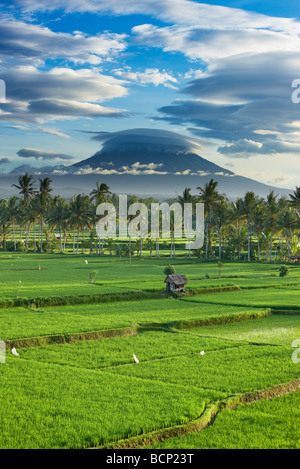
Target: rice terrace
x: 98, y: 353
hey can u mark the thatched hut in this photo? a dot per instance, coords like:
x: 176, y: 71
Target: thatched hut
x: 175, y: 282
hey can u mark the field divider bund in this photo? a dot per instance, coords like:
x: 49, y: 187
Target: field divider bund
x: 70, y: 338
x: 204, y: 420
x: 69, y: 300
x: 170, y: 327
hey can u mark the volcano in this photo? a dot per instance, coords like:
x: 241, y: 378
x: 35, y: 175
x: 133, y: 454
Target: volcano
x: 161, y: 163
x: 144, y: 162
x: 148, y: 151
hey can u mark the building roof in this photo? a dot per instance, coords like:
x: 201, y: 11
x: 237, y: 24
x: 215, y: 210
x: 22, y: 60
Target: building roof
x: 178, y: 279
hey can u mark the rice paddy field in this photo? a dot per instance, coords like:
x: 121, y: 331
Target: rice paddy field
x: 218, y: 367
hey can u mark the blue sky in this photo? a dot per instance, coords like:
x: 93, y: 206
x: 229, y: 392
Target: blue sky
x: 220, y: 72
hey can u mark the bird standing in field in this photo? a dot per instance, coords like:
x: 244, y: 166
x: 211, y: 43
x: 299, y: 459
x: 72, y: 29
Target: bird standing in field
x: 135, y: 359
x: 14, y: 352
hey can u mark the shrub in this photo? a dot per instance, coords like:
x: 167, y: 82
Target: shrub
x: 169, y: 270
x: 93, y: 275
x: 283, y: 271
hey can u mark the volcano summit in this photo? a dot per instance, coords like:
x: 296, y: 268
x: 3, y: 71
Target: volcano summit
x: 149, y: 151
x: 144, y: 162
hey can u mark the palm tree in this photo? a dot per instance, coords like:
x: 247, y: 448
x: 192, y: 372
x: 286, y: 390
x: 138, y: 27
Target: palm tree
x: 210, y: 196
x: 288, y: 221
x: 185, y: 198
x: 30, y: 215
x: 80, y: 215
x: 12, y: 211
x: 130, y: 201
x: 42, y: 204
x: 236, y: 226
x: 92, y: 237
x: 45, y: 188
x: 236, y: 239
x: 20, y: 218
x: 4, y: 221
x: 248, y: 207
x: 100, y: 194
x: 271, y: 215
x: 221, y: 217
x: 25, y: 187
x: 259, y: 222
x: 57, y: 217
x: 149, y: 245
x: 122, y: 249
x: 295, y: 199
x: 110, y: 245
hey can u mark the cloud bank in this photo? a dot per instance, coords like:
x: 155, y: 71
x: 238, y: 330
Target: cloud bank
x: 59, y: 93
x: 244, y: 101
x: 34, y: 43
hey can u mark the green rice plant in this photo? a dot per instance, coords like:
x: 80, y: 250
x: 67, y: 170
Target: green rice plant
x: 75, y: 370
x: 231, y: 370
x: 64, y: 275
x: 77, y: 408
x: 271, y: 329
x: 276, y: 298
x: 261, y: 425
x: 148, y: 345
x: 17, y: 323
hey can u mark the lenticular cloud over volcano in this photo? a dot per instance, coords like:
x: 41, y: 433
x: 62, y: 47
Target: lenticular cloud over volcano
x: 147, y: 151
x: 148, y: 139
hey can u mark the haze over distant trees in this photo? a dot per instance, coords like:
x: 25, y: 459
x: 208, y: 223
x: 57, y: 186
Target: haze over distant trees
x: 249, y: 228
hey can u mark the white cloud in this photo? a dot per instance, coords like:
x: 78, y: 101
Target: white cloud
x: 37, y: 96
x: 182, y: 12
x: 149, y: 76
x: 244, y: 101
x: 281, y: 181
x: 18, y: 127
x: 51, y: 131
x: 208, y: 45
x: 150, y: 166
x: 27, y: 83
x: 46, y: 130
x: 85, y: 170
x: 21, y: 42
x: 65, y: 109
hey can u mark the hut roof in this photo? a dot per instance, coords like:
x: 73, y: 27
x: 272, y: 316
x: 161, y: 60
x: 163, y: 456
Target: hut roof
x: 178, y: 279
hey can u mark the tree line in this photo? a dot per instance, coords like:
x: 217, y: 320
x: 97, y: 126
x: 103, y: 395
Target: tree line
x: 251, y: 225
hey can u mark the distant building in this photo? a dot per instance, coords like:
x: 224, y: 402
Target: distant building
x: 175, y: 282
x: 295, y: 258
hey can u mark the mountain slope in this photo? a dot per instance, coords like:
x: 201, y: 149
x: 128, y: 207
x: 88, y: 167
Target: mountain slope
x: 144, y: 159
x: 146, y: 162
